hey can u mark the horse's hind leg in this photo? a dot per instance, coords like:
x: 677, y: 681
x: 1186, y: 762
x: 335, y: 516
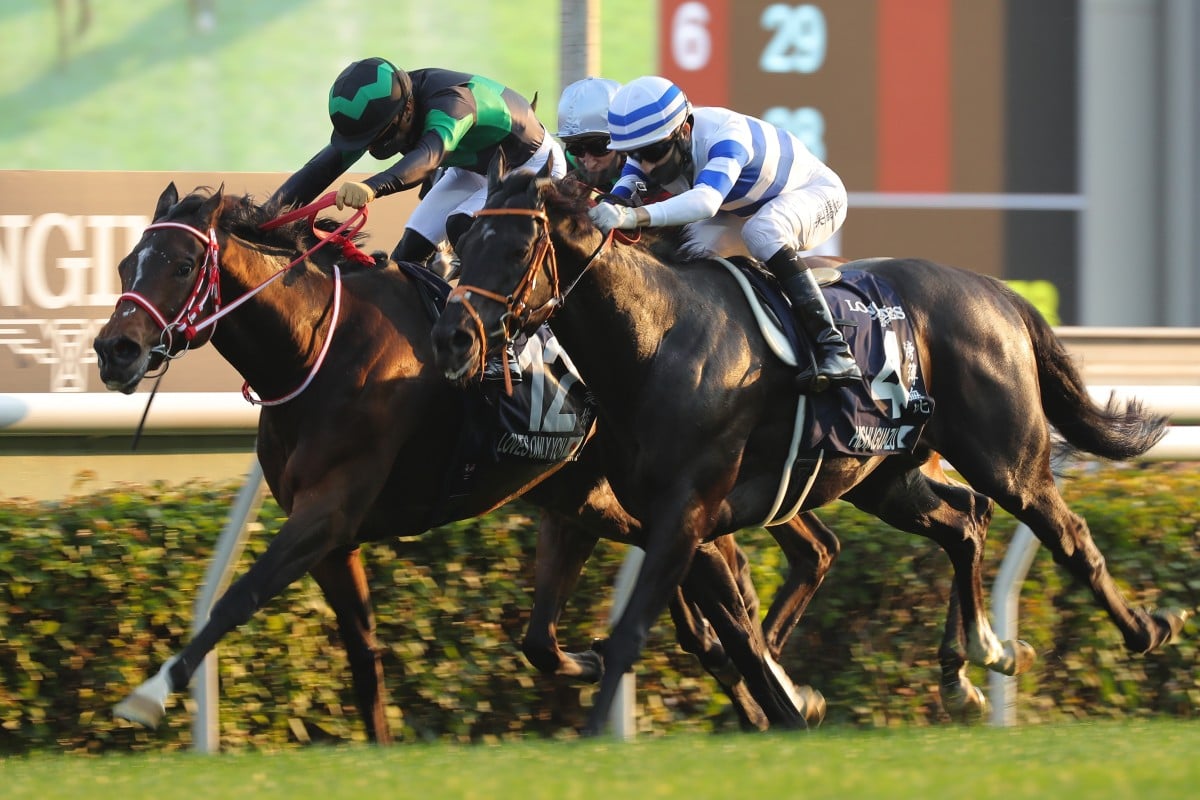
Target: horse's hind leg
x: 1034, y: 499
x: 956, y: 517
x: 344, y: 584
x: 810, y: 548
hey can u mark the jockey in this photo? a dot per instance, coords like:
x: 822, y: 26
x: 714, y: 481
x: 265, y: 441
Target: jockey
x: 431, y: 118
x: 726, y: 170
x: 583, y: 129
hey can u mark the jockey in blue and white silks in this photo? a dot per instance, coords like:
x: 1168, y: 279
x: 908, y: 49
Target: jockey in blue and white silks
x: 728, y: 172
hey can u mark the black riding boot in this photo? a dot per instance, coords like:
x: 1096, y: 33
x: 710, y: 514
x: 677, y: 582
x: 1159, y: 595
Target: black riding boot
x: 835, y: 364
x: 493, y: 370
x: 413, y: 248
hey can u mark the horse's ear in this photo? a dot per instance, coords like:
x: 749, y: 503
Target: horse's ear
x: 496, y: 170
x: 168, y: 198
x: 544, y: 172
x: 212, y: 206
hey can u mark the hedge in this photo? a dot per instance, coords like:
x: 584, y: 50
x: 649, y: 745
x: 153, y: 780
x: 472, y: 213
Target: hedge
x: 96, y: 591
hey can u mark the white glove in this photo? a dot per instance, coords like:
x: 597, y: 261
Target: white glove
x: 355, y: 195
x: 607, y: 216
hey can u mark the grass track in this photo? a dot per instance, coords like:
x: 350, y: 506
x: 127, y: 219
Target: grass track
x: 1094, y: 760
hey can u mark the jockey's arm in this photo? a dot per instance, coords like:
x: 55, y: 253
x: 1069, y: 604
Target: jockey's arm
x: 411, y: 170
x: 700, y: 202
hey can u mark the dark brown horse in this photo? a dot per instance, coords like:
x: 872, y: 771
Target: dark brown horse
x: 362, y: 452
x: 699, y: 411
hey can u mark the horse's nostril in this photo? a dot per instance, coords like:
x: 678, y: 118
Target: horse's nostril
x: 461, y: 340
x: 118, y: 350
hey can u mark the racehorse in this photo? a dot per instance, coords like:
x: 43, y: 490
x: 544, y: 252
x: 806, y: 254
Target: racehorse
x: 362, y: 446
x: 699, y: 411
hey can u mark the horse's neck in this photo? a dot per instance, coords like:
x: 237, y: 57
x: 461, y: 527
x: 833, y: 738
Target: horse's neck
x: 273, y: 336
x: 615, y: 319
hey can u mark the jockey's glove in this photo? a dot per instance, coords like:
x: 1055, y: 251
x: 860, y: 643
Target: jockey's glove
x: 354, y: 195
x: 607, y: 216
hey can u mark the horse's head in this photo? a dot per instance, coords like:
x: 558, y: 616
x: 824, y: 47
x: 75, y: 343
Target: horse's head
x: 509, y: 280
x: 167, y: 280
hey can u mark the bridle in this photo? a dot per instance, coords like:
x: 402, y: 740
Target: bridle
x: 518, y: 315
x: 206, y: 291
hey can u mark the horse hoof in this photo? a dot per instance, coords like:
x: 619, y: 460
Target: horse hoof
x: 967, y: 705
x: 811, y: 705
x: 1021, y: 655
x: 589, y: 666
x: 140, y: 710
x: 1174, y: 619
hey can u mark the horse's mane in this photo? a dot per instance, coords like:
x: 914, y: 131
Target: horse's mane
x: 243, y: 216
x: 569, y: 198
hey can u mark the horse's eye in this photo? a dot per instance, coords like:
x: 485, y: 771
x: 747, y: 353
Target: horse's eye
x: 185, y: 269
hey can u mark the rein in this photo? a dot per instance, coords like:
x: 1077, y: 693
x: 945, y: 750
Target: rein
x: 516, y: 303
x: 206, y: 291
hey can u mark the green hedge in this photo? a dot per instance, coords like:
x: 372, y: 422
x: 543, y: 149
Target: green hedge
x: 95, y: 592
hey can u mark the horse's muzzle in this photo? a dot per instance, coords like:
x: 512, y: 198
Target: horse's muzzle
x: 123, y: 362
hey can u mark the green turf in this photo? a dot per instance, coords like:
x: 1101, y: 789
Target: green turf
x: 1102, y: 760
x: 143, y: 90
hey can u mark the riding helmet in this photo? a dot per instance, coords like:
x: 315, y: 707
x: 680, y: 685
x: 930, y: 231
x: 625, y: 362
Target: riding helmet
x: 644, y: 111
x: 364, y: 100
x: 583, y: 108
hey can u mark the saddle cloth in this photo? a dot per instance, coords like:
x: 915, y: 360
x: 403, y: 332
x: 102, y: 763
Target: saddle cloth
x: 884, y: 413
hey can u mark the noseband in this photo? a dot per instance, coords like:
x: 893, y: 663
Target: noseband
x: 207, y: 289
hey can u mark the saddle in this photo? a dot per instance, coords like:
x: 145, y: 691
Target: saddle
x: 885, y: 412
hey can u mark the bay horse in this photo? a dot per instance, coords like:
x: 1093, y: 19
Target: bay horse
x: 699, y: 411
x: 360, y: 453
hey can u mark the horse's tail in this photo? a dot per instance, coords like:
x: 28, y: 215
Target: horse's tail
x: 1119, y: 430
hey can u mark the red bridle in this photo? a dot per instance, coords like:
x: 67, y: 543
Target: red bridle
x: 207, y: 287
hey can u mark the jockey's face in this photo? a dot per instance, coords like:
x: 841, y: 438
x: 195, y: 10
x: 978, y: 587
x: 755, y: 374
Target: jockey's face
x: 597, y: 164
x: 670, y: 166
x: 395, y: 137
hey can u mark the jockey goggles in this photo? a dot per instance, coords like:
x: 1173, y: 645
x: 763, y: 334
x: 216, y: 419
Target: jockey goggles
x: 596, y: 146
x: 653, y: 153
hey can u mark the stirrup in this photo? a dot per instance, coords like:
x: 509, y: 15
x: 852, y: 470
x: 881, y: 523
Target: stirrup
x: 493, y: 370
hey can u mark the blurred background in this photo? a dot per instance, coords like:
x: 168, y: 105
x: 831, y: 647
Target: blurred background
x: 212, y: 85
x: 1050, y: 144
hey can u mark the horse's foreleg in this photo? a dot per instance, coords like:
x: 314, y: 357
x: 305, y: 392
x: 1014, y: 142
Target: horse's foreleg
x: 562, y: 550
x: 696, y: 636
x: 810, y: 548
x: 670, y: 548
x: 716, y: 584
x: 343, y: 581
x: 301, y: 542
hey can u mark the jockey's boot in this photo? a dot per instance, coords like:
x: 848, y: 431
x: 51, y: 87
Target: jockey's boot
x: 493, y: 369
x: 835, y: 364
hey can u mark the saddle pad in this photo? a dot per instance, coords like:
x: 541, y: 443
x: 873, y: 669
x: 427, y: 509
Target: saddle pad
x: 886, y: 412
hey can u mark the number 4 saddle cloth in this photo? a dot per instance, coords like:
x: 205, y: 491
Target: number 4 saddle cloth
x: 885, y: 412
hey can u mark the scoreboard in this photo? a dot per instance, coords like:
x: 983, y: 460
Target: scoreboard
x: 952, y: 122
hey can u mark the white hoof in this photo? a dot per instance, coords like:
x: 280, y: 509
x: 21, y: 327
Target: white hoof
x: 141, y: 710
x: 147, y: 704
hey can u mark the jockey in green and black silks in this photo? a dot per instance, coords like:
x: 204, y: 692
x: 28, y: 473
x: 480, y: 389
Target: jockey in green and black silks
x: 430, y: 118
